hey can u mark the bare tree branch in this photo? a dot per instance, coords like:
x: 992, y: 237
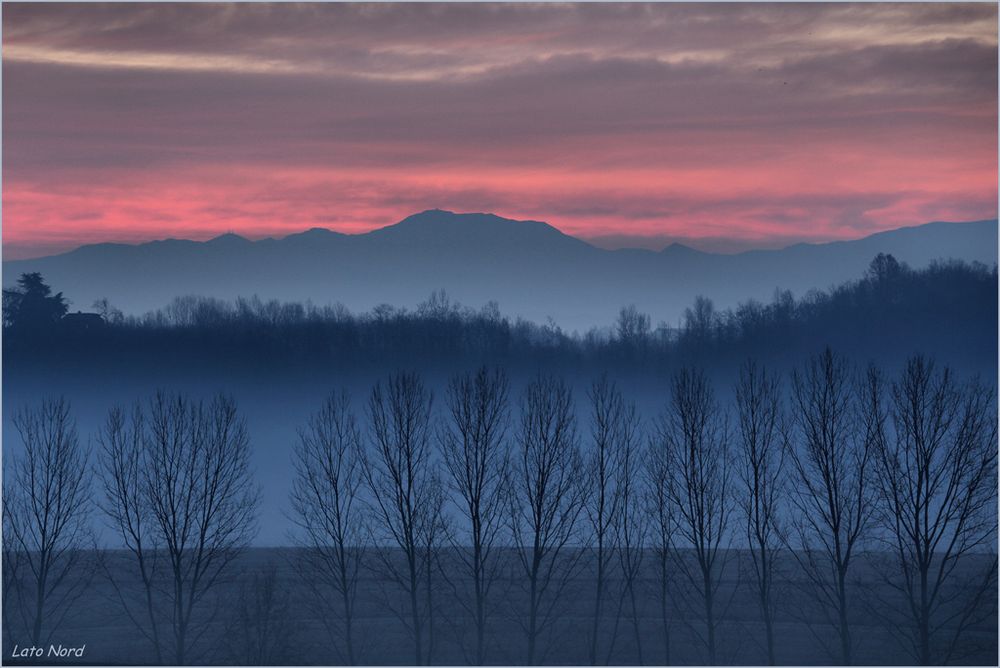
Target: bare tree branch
x: 936, y: 461
x: 327, y: 511
x: 179, y: 491
x: 761, y: 462
x: 546, y: 502
x: 694, y: 437
x: 832, y: 495
x: 403, y: 494
x: 46, y: 521
x: 474, y: 448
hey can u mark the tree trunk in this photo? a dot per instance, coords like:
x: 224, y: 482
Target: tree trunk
x: 765, y: 605
x: 709, y: 616
x: 480, y: 604
x: 769, y: 631
x: 348, y: 626
x: 532, y: 619
x: 925, y: 630
x: 597, y: 605
x: 845, y: 632
x: 179, y: 629
x: 430, y: 609
x: 635, y: 622
x: 663, y: 611
x: 36, y: 631
x: 418, y: 648
x: 181, y: 640
x: 151, y: 611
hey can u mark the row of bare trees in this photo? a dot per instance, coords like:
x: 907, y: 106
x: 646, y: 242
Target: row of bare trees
x: 177, y: 492
x: 846, y: 462
x: 506, y: 508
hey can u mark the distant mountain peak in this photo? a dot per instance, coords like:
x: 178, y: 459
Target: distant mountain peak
x: 229, y: 238
x: 439, y: 216
x: 439, y: 225
x: 314, y: 233
x: 429, y: 213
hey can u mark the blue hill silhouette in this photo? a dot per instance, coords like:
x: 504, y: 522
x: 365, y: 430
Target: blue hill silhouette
x: 529, y: 267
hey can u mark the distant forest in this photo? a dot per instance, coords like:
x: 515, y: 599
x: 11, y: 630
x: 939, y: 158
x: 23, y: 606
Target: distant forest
x: 948, y: 309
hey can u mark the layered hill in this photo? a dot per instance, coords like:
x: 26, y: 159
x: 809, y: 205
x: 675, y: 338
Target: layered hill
x: 530, y: 268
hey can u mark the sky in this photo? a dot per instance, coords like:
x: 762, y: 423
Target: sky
x: 723, y: 126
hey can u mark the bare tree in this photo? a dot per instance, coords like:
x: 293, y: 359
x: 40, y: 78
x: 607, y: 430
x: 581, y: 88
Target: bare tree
x: 603, y: 503
x: 474, y: 448
x: 700, y: 321
x: 695, y: 437
x: 46, y: 515
x: 761, y: 463
x: 936, y: 464
x: 181, y: 494
x: 546, y: 501
x: 433, y: 537
x: 404, y: 499
x: 123, y: 441
x: 832, y: 496
x: 108, y: 312
x: 611, y: 507
x: 631, y: 523
x: 632, y: 328
x: 11, y: 573
x: 260, y: 631
x: 327, y: 509
x: 660, y: 509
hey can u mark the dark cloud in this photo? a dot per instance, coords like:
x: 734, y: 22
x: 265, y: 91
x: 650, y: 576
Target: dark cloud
x: 670, y: 109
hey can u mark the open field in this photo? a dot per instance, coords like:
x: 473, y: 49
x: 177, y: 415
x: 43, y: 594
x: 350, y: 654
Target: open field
x: 97, y: 620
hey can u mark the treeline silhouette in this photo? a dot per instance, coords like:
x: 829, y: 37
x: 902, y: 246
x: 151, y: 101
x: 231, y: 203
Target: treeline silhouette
x: 947, y: 309
x: 480, y: 510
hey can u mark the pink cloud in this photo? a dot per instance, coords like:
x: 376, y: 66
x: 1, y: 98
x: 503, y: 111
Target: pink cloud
x: 629, y: 121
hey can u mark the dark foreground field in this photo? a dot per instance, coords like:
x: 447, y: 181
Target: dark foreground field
x: 296, y: 633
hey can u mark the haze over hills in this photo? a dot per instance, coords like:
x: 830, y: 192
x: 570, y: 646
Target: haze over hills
x: 530, y: 268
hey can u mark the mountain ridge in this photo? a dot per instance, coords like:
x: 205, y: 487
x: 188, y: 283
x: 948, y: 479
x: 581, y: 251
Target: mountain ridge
x: 465, y: 218
x: 531, y: 268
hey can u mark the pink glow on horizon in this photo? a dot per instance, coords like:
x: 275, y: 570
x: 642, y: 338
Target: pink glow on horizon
x: 580, y: 117
x: 757, y: 202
